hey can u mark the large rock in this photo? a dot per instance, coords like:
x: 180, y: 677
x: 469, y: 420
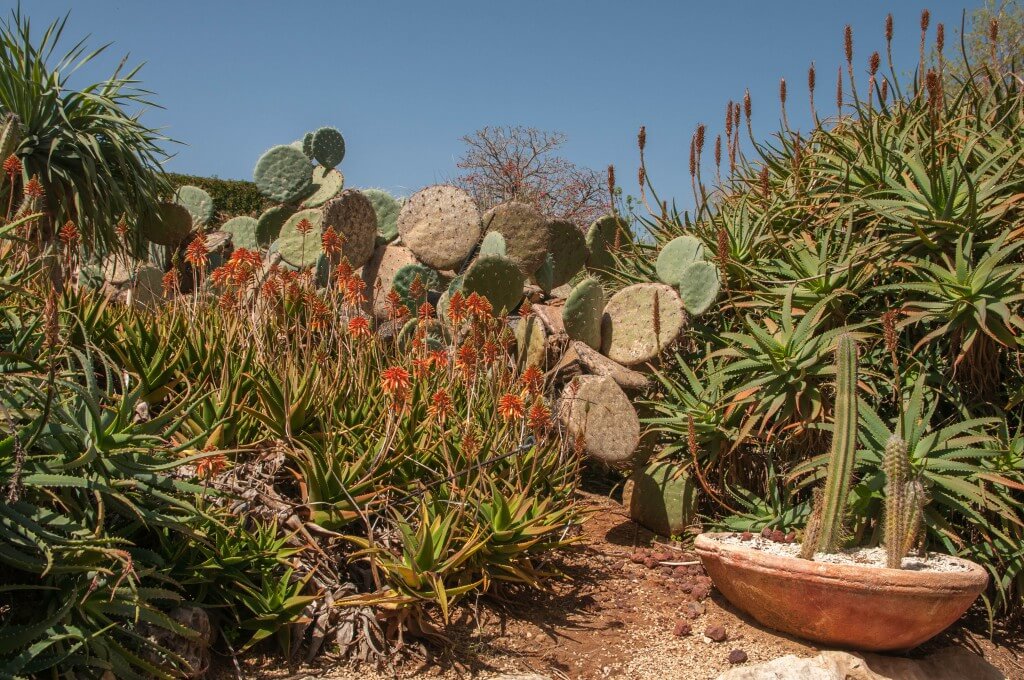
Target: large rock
x: 952, y: 663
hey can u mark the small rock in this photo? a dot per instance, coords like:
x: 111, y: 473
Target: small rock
x: 737, y: 656
x: 700, y: 591
x: 662, y: 556
x: 637, y: 558
x: 791, y: 537
x: 778, y: 536
x: 650, y: 563
x: 716, y: 632
x: 746, y: 536
x: 766, y: 532
x: 693, y: 610
x: 680, y: 572
x: 682, y: 629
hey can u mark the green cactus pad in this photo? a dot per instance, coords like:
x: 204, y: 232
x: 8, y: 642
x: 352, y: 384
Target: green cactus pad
x: 386, y: 207
x: 269, y: 224
x: 169, y: 225
x: 283, y: 174
x: 493, y: 244
x: 198, y: 203
x: 676, y: 256
x: 496, y: 278
x: 306, y: 144
x: 326, y: 185
x: 531, y: 343
x: 243, y: 231
x: 699, y: 287
x: 351, y: 214
x: 596, y: 410
x: 298, y: 249
x: 404, y: 278
x: 661, y: 497
x: 149, y: 286
x: 581, y: 315
x: 601, y: 239
x: 441, y: 225
x: 328, y: 147
x: 568, y: 250
x: 545, y: 274
x: 119, y: 268
x: 525, y: 231
x: 640, y: 322
x: 436, y: 336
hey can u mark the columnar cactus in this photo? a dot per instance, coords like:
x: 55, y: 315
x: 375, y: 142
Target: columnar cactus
x: 904, y: 502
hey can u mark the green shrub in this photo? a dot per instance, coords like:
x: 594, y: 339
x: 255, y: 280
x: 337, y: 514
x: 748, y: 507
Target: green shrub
x: 231, y: 197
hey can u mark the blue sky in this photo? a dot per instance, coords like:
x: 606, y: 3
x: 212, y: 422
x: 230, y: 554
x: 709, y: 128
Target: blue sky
x: 405, y: 80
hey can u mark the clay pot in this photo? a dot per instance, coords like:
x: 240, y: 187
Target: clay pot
x: 867, y: 608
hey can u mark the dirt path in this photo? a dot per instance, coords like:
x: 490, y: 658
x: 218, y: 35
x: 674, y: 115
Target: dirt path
x: 615, y: 614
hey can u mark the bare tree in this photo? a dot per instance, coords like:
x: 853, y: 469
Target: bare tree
x: 520, y: 163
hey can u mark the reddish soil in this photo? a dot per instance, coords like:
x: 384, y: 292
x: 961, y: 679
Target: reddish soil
x: 628, y: 605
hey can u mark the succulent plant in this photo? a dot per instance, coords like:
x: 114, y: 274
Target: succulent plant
x: 596, y: 412
x: 441, y: 225
x: 661, y: 497
x: 379, y: 274
x: 581, y: 314
x: 327, y: 183
x: 493, y: 244
x: 327, y: 146
x: 531, y: 342
x: 435, y: 335
x: 605, y: 235
x: 270, y: 223
x: 832, y: 507
x: 525, y: 231
x: 352, y: 217
x: 496, y: 278
x: 10, y: 136
x: 407, y: 276
x: 149, y: 286
x: 386, y: 207
x: 283, y: 174
x: 699, y: 286
x: 640, y: 322
x: 198, y: 203
x: 567, y: 249
x: 545, y: 274
x: 904, y: 502
x: 168, y: 225
x: 297, y: 245
x: 676, y: 256
x: 306, y: 145
x: 243, y: 231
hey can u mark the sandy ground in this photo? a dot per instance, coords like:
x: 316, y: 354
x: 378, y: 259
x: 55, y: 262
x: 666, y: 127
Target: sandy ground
x: 616, y: 613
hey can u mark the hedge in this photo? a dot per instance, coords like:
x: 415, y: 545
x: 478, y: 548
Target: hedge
x: 231, y: 197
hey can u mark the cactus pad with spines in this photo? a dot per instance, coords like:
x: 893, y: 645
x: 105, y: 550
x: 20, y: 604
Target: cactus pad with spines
x: 168, y: 225
x: 531, y: 342
x: 676, y: 256
x: 326, y: 185
x: 283, y: 174
x: 441, y: 225
x: 306, y: 144
x: 298, y: 249
x: 699, y: 286
x: 545, y: 274
x: 351, y: 214
x: 640, y: 322
x: 496, y: 278
x: 435, y: 335
x: 525, y: 231
x: 269, y: 224
x: 605, y: 235
x: 198, y: 203
x: 581, y: 315
x: 403, y: 284
x: 386, y: 207
x: 493, y: 244
x: 568, y: 250
x: 598, y: 413
x: 243, y: 231
x: 379, y: 274
x: 328, y: 147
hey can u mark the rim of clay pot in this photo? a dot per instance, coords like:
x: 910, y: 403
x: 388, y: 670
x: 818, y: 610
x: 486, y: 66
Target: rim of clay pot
x: 974, y: 577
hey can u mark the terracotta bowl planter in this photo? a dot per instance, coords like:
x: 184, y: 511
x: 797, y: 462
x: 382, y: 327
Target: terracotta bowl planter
x: 867, y: 608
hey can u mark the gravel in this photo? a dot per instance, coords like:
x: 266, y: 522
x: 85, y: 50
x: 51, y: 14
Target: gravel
x: 865, y: 557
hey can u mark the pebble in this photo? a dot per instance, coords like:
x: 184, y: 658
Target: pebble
x: 699, y: 592
x: 737, y: 656
x: 682, y: 629
x: 716, y: 632
x: 693, y: 610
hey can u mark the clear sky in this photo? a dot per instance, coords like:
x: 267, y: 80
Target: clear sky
x: 405, y: 80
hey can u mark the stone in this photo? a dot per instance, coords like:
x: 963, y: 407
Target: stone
x: 682, y: 629
x: 737, y: 656
x: 951, y: 663
x: 716, y: 632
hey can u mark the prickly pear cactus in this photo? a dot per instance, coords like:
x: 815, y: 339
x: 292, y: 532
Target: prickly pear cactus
x: 581, y: 315
x: 596, y: 411
x: 307, y: 145
x: 283, y: 174
x: 605, y: 235
x: 639, y: 322
x: 545, y: 274
x: 149, y: 286
x: 326, y: 185
x: 328, y: 147
x: 403, y: 284
x: 168, y: 225
x: 243, y: 231
x: 386, y: 207
x: 435, y: 335
x: 198, y: 203
x: 298, y: 245
x: 270, y: 223
x: 496, y: 278
x: 698, y: 286
x: 119, y: 268
x: 568, y: 250
x: 531, y: 343
x: 661, y: 497
x: 525, y: 231
x: 441, y: 224
x: 351, y: 214
x: 676, y: 256
x: 493, y: 244
x: 379, y: 274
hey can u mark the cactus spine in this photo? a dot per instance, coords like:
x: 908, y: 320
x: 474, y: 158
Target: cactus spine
x: 844, y: 446
x: 904, y: 503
